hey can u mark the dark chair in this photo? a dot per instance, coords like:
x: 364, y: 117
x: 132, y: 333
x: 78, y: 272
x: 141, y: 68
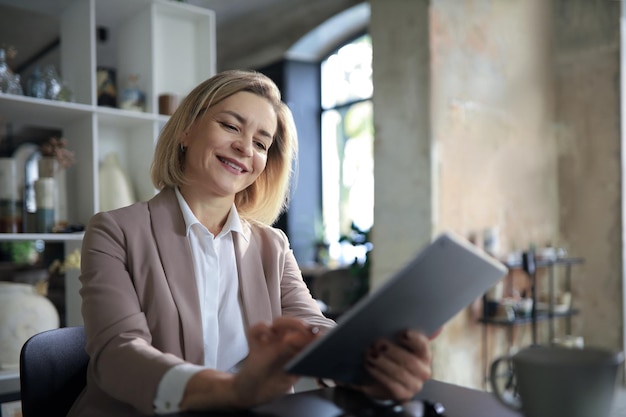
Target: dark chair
x: 53, y: 368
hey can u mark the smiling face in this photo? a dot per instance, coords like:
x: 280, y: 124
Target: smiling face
x: 227, y: 146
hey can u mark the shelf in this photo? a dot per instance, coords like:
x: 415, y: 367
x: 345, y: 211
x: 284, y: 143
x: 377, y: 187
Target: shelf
x: 182, y: 35
x: 51, y: 7
x: 530, y: 264
x: 124, y: 118
x: 543, y: 263
x: 149, y: 38
x: 169, y: 45
x: 108, y: 13
x: 112, y: 12
x: 57, y: 114
x: 541, y: 316
x: 23, y: 110
x: 49, y: 237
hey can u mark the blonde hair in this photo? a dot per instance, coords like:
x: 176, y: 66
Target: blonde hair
x: 265, y: 199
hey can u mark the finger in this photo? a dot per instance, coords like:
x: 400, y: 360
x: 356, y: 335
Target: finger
x: 282, y: 325
x: 294, y: 332
x: 297, y: 339
x: 402, y: 370
x: 399, y: 384
x: 399, y: 363
x: 390, y: 388
x: 416, y: 343
x: 260, y: 333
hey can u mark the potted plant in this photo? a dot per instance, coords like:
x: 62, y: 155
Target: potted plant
x: 360, y: 267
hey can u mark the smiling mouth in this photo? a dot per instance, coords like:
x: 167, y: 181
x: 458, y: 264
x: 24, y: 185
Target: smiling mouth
x: 231, y: 164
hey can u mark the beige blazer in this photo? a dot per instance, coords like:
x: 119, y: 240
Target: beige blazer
x: 140, y: 302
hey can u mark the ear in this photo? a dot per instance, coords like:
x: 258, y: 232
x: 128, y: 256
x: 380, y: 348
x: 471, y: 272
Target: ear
x: 182, y: 141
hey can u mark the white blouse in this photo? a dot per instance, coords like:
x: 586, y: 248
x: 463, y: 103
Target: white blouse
x: 224, y: 336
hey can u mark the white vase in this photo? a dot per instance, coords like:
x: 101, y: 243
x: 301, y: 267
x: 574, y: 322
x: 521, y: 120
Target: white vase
x: 23, y: 313
x: 115, y: 188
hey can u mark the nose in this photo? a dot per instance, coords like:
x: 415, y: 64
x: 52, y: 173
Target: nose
x: 243, y: 145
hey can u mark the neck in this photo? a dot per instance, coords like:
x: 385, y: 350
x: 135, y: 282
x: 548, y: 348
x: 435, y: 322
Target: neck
x: 211, y: 212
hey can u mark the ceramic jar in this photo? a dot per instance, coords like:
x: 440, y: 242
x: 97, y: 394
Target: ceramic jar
x: 168, y: 103
x: 23, y: 313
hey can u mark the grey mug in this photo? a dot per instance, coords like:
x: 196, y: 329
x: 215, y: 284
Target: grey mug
x: 556, y: 381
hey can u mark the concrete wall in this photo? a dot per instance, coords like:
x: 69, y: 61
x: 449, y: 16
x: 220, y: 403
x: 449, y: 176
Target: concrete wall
x: 586, y: 66
x: 404, y: 212
x: 512, y: 124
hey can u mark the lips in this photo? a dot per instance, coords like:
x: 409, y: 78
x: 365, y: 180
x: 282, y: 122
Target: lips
x: 234, y: 165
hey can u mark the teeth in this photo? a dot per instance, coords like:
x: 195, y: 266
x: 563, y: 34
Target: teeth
x: 237, y: 167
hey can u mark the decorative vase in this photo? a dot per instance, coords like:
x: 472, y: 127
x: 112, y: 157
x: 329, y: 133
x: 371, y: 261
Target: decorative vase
x: 23, y: 313
x: 50, y: 167
x: 10, y: 202
x: 45, y: 197
x: 115, y: 187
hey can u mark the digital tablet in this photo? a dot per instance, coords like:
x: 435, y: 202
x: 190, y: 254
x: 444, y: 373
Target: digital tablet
x: 442, y: 279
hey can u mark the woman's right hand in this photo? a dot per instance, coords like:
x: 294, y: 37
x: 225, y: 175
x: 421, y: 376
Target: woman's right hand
x: 261, y: 377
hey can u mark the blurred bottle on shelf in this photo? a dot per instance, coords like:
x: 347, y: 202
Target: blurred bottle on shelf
x: 45, y: 195
x: 107, y: 86
x: 491, y: 241
x: 10, y: 82
x: 36, y: 84
x: 5, y: 73
x: 132, y: 97
x: 53, y: 82
x: 15, y: 85
x: 10, y: 203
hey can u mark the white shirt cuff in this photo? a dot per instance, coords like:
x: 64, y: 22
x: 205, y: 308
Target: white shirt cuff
x: 172, y: 387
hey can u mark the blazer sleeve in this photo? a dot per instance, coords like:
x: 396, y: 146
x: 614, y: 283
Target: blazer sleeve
x: 296, y: 298
x: 123, y: 362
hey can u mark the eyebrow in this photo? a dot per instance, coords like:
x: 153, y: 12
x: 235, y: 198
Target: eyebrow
x: 243, y: 120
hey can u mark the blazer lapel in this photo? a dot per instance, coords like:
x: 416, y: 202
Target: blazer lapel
x: 177, y: 263
x: 255, y: 301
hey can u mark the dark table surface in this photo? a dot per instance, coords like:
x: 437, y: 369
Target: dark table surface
x: 339, y: 402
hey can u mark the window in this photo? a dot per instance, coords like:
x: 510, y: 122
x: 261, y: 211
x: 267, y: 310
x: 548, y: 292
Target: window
x: 347, y: 148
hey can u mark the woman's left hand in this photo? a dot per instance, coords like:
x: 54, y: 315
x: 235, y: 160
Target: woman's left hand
x: 399, y: 368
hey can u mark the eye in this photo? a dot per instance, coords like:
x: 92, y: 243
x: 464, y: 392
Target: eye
x: 229, y: 126
x: 260, y: 145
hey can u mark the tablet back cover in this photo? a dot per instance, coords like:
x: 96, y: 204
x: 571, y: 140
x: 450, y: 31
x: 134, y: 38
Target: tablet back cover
x: 442, y: 279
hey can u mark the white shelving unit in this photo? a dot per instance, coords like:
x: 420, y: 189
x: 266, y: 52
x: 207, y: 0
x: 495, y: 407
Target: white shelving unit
x: 170, y: 45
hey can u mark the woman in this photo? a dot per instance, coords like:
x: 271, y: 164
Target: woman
x: 191, y: 301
